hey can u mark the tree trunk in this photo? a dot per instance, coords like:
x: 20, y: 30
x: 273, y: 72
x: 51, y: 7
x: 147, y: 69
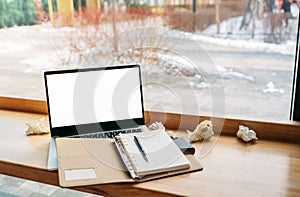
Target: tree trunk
x: 50, y: 8
x: 79, y: 7
x: 217, y: 17
x: 115, y: 33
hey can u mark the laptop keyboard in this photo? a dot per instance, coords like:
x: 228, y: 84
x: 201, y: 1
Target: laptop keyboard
x: 107, y: 134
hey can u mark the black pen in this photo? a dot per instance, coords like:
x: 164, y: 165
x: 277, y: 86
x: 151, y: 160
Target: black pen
x: 138, y: 144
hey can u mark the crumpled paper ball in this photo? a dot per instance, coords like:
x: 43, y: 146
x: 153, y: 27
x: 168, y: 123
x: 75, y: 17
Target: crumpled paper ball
x: 245, y: 134
x: 37, y: 127
x: 204, y: 130
x: 157, y: 126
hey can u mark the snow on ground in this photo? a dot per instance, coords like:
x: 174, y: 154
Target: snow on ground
x: 270, y: 88
x: 12, y: 47
x: 231, y: 35
x: 287, y: 48
x: 34, y: 54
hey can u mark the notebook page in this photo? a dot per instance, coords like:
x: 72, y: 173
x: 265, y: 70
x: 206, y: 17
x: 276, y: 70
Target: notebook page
x: 161, y: 152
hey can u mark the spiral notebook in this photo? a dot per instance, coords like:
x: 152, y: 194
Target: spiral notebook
x: 150, y: 153
x: 87, y: 161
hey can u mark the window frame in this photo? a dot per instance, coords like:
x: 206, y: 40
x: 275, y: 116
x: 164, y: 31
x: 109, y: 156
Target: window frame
x: 273, y: 131
x: 268, y: 130
x: 295, y: 107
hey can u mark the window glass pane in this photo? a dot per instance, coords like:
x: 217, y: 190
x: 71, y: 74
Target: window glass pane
x: 231, y: 58
x: 295, y: 112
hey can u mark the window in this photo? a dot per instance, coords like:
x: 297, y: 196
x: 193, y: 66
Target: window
x: 295, y: 112
x: 231, y: 58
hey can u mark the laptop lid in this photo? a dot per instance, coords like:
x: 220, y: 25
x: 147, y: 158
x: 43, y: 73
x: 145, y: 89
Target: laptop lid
x: 82, y: 101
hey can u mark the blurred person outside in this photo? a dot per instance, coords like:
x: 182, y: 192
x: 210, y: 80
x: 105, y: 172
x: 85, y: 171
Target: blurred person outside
x: 286, y: 8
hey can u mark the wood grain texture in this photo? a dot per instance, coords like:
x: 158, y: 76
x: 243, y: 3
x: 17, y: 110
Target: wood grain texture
x: 285, y: 131
x: 231, y: 167
x: 51, y: 178
x: 26, y: 157
x: 15, y: 146
x: 21, y: 104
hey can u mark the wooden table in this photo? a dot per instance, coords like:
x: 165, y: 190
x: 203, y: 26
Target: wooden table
x: 231, y: 167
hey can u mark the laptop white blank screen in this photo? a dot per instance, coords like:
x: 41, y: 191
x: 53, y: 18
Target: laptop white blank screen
x: 94, y: 96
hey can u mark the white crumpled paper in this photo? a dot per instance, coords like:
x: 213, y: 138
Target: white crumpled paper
x: 157, y: 126
x: 245, y: 134
x: 204, y: 130
x: 37, y: 127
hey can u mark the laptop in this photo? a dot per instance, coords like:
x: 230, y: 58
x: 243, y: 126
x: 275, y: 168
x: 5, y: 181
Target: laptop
x: 93, y: 102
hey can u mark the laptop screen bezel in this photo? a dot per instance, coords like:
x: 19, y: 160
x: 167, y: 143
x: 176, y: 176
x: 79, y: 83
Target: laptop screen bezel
x: 72, y: 130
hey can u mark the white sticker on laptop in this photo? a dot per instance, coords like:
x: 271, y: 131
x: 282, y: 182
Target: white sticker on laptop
x: 80, y: 174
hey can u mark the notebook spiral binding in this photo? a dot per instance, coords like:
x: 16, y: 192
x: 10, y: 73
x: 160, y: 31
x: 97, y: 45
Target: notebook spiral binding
x: 129, y: 160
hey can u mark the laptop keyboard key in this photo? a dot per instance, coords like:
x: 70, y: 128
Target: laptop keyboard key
x: 110, y: 134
